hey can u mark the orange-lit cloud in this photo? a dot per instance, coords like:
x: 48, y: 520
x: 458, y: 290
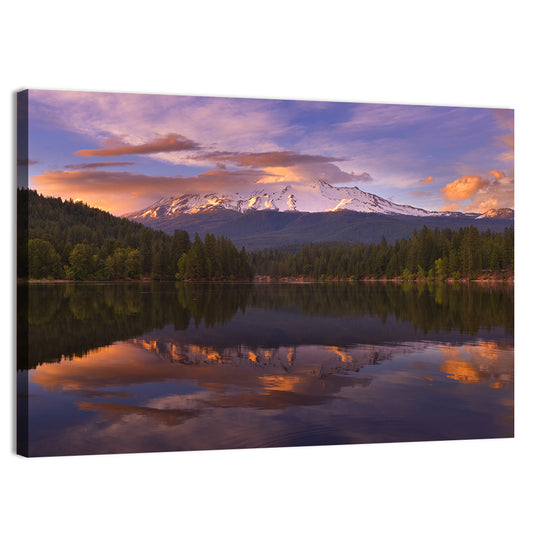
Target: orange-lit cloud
x: 310, y: 173
x: 464, y: 187
x: 492, y: 192
x: 121, y: 192
x: 124, y: 192
x: 497, y: 174
x: 173, y: 142
x: 429, y: 179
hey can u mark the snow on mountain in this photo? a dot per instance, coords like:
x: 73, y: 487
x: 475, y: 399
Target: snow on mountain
x: 503, y: 213
x: 318, y: 197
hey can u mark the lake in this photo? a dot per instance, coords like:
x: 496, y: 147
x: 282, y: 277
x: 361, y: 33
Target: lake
x: 144, y: 367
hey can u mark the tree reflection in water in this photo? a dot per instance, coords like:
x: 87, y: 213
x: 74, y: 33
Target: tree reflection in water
x: 68, y: 320
x: 116, y: 368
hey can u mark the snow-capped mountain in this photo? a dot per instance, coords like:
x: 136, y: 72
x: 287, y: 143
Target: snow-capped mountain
x: 504, y: 213
x: 278, y: 214
x: 318, y: 197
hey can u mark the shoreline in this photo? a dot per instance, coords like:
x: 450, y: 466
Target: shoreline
x: 270, y: 279
x: 304, y: 279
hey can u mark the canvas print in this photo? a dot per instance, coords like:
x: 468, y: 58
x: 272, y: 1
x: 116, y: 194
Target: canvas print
x: 207, y: 273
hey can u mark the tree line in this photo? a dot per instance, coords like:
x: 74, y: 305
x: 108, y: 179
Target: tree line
x: 60, y: 239
x: 436, y: 254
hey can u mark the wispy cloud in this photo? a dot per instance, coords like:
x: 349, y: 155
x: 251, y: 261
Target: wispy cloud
x: 421, y: 194
x: 264, y: 159
x: 173, y: 142
x: 100, y: 164
x: 505, y: 119
x: 365, y: 117
x: 233, y: 124
x: 508, y: 141
x: 429, y: 179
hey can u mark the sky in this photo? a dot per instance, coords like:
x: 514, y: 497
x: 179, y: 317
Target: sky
x: 122, y: 152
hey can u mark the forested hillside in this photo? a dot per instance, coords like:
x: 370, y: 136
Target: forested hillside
x: 60, y: 239
x: 429, y: 254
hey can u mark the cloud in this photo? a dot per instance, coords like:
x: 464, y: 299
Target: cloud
x: 421, y: 194
x: 508, y: 141
x: 499, y: 193
x: 498, y: 174
x: 429, y: 179
x: 463, y: 187
x: 494, y: 191
x: 232, y: 124
x: 101, y: 164
x: 173, y: 142
x: 220, y: 179
x: 120, y: 192
x: 394, y: 144
x: 170, y: 417
x: 288, y: 166
x: 309, y: 173
x: 363, y: 117
x: 265, y: 159
x: 505, y: 119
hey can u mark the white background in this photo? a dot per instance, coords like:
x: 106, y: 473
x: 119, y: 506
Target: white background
x: 413, y: 52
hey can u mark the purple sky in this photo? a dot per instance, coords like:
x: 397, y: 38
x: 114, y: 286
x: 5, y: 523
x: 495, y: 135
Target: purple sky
x: 121, y: 152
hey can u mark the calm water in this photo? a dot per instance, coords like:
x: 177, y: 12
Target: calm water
x: 115, y: 368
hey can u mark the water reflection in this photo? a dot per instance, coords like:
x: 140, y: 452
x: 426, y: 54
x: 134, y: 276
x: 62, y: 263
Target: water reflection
x: 186, y: 367
x: 70, y: 320
x: 479, y: 363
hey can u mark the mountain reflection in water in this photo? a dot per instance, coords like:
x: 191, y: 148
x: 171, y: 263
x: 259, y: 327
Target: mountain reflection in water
x: 157, y: 367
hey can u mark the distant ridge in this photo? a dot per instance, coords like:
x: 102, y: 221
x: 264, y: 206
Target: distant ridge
x: 504, y: 213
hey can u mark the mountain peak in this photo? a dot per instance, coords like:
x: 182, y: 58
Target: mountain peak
x: 321, y: 196
x: 502, y: 213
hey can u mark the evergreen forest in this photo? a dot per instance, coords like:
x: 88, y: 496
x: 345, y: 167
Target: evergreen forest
x: 60, y: 239
x: 436, y: 254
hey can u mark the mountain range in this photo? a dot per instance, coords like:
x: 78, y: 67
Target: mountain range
x: 274, y: 214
